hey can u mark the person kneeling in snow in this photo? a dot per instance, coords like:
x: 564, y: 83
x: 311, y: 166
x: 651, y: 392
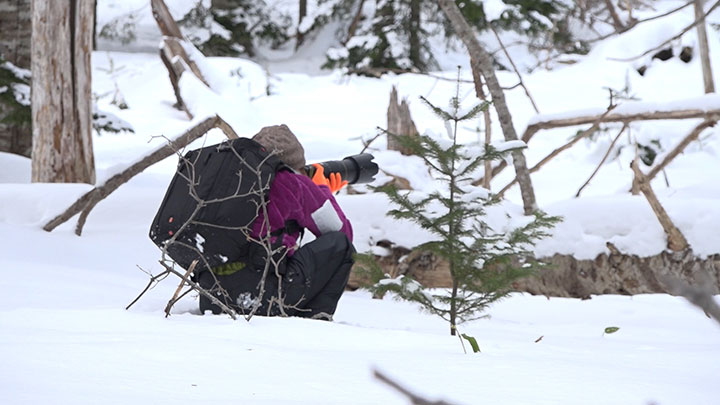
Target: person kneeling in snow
x: 314, y: 276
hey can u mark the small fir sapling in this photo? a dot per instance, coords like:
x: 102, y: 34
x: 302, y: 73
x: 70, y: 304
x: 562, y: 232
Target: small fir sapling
x: 480, y: 258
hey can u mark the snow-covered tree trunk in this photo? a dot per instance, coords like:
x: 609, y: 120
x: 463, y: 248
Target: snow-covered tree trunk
x: 484, y: 61
x: 15, y: 48
x: 61, y: 91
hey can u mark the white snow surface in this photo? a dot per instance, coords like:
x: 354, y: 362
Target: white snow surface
x: 65, y: 336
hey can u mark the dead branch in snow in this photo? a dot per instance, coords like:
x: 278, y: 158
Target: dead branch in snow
x: 517, y: 72
x: 617, y: 22
x: 412, y: 397
x: 697, y: 21
x: 175, y: 298
x: 88, y: 201
x: 154, y: 280
x: 602, y: 161
x: 552, y: 123
x: 675, y: 239
x: 694, y: 134
x: 228, y: 310
x: 557, y: 151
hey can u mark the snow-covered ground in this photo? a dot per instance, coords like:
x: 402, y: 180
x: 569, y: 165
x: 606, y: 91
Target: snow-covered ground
x: 66, y: 338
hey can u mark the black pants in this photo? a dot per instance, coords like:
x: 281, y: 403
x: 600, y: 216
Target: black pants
x: 315, y: 278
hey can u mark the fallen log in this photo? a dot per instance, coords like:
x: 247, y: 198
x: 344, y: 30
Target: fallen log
x: 566, y: 276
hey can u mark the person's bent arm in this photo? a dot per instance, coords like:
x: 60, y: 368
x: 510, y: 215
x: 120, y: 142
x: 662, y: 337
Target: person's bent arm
x: 312, y: 206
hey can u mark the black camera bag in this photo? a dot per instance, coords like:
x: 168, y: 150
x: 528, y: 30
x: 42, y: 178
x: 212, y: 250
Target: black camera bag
x: 209, y: 220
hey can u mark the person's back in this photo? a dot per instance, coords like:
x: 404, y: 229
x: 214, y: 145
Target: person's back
x: 302, y: 281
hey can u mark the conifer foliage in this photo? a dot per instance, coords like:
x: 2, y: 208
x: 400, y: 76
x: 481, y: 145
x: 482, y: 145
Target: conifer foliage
x: 480, y: 257
x: 397, y: 34
x: 14, y: 95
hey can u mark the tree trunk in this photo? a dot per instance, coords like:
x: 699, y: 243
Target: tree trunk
x: 355, y: 22
x: 484, y: 62
x: 15, y: 48
x: 61, y: 94
x: 302, y: 13
x: 617, y: 22
x: 480, y: 93
x: 165, y: 20
x: 414, y: 32
x: 704, y: 48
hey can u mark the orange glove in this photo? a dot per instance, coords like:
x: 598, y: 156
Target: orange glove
x: 319, y: 176
x: 334, y: 184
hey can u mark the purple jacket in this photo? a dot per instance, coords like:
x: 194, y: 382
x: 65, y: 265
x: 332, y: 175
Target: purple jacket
x: 295, y: 197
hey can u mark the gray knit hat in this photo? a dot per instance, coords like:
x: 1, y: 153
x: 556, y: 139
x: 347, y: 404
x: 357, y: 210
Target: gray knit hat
x: 282, y: 140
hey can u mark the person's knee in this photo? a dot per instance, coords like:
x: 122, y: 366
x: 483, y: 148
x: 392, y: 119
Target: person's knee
x: 341, y: 243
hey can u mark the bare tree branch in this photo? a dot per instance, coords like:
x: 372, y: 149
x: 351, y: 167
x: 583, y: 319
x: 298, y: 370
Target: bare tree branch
x: 86, y: 203
x: 669, y: 114
x: 557, y: 151
x: 153, y: 280
x: 675, y: 239
x: 602, y: 161
x: 414, y: 398
x: 668, y: 41
x: 517, y: 72
x: 694, y: 134
x: 231, y: 312
x: 633, y: 23
x: 617, y: 22
x: 184, y: 278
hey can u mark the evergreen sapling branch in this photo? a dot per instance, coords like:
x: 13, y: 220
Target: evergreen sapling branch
x: 483, y: 260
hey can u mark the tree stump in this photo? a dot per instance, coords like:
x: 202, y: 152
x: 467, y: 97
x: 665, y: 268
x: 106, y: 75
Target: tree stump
x: 399, y: 123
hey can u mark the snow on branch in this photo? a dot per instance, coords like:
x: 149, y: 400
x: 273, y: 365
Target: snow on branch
x: 699, y: 107
x: 706, y: 106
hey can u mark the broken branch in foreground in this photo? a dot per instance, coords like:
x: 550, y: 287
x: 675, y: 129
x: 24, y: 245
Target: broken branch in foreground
x: 414, y: 398
x: 699, y: 295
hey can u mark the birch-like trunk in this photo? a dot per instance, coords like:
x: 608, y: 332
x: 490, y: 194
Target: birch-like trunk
x: 484, y: 62
x: 15, y: 48
x: 61, y: 91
